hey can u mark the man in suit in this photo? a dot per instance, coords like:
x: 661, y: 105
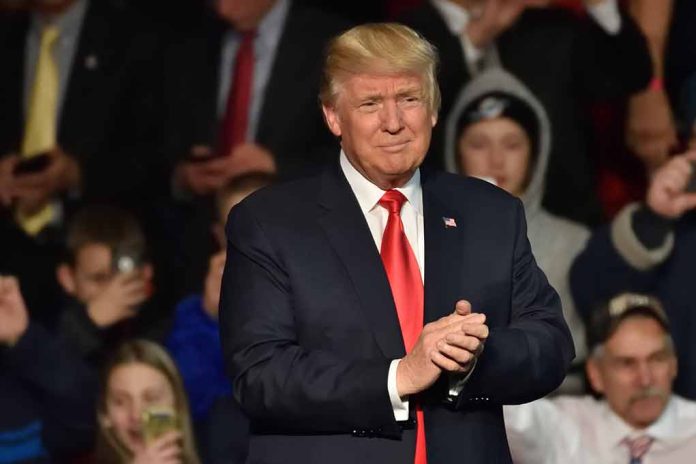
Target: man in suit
x: 339, y: 356
x: 225, y: 118
x: 566, y: 61
x: 79, y: 84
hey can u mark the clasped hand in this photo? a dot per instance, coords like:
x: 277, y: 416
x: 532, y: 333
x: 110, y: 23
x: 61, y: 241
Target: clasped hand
x: 450, y: 344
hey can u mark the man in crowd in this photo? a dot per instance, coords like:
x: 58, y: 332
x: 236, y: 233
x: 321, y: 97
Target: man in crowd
x: 632, y: 364
x: 340, y: 353
x: 649, y: 248
x: 240, y: 97
x: 78, y: 121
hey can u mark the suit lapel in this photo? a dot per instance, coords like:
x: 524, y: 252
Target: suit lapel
x: 349, y: 235
x: 443, y: 243
x: 12, y: 52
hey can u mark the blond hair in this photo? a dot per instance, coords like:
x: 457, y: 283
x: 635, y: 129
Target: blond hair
x: 379, y: 48
x: 109, y: 448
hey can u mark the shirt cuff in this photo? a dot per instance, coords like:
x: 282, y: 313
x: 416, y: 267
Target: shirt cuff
x: 457, y: 382
x: 627, y: 242
x: 607, y: 16
x: 399, y: 405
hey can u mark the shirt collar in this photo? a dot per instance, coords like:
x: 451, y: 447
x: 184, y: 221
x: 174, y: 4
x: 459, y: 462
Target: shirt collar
x: 271, y: 26
x: 664, y: 428
x: 68, y: 22
x: 454, y: 15
x: 368, y: 194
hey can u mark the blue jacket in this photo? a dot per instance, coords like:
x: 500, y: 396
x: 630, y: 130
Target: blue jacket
x: 194, y: 343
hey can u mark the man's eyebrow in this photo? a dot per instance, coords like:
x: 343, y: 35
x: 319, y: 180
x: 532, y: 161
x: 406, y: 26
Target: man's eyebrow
x: 415, y: 90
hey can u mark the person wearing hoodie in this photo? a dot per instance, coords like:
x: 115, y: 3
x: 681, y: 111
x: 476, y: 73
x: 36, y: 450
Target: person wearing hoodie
x: 500, y: 132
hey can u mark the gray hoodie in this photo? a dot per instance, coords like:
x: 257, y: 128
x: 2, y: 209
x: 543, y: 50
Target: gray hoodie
x: 555, y: 241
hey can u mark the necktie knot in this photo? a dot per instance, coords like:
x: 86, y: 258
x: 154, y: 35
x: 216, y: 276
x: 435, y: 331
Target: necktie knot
x: 638, y: 447
x: 392, y: 201
x: 49, y: 35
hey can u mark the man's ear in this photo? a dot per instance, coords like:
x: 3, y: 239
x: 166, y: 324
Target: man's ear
x: 433, y: 118
x: 594, y: 375
x: 332, y: 119
x: 66, y: 278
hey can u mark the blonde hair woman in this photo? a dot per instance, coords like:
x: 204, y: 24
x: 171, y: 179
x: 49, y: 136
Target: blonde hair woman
x: 140, y: 377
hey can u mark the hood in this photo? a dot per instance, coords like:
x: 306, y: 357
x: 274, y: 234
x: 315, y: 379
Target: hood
x: 499, y: 80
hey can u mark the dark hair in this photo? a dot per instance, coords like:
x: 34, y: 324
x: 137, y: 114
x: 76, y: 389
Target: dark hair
x: 247, y: 182
x: 605, y: 319
x: 106, y: 225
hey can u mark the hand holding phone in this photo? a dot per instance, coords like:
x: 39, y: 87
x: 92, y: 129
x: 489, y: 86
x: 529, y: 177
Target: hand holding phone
x: 157, y: 421
x: 32, y: 164
x: 691, y: 185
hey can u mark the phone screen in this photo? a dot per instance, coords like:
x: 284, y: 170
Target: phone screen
x: 157, y: 422
x: 32, y: 165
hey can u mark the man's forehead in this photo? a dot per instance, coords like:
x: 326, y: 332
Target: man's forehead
x: 383, y: 83
x: 637, y: 336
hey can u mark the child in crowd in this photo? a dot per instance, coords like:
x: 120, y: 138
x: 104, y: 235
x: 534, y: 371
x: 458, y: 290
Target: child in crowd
x: 139, y: 379
x: 499, y: 131
x: 107, y: 278
x: 194, y: 341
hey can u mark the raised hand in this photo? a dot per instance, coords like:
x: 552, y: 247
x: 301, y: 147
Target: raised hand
x: 667, y: 195
x: 14, y: 318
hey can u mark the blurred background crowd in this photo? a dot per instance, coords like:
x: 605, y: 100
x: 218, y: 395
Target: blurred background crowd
x: 129, y: 129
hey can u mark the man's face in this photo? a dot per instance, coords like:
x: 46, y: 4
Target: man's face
x: 243, y: 14
x: 635, y: 371
x: 385, y: 125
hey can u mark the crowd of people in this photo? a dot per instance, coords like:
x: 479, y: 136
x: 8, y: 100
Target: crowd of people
x: 128, y: 135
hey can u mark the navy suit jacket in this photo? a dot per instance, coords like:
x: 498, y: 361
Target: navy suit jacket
x: 309, y: 326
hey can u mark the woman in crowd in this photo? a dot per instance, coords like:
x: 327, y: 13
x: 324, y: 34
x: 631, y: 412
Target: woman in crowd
x: 142, y: 379
x: 499, y: 131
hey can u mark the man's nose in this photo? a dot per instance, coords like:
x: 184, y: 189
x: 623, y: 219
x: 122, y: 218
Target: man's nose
x: 392, y: 119
x: 645, y: 375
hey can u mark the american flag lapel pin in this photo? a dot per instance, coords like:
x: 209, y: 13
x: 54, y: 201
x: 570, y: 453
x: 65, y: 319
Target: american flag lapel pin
x: 449, y: 222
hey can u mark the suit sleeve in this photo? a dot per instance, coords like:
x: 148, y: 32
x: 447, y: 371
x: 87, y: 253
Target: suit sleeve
x: 278, y: 382
x: 610, y: 65
x: 529, y: 357
x: 601, y: 271
x: 66, y: 386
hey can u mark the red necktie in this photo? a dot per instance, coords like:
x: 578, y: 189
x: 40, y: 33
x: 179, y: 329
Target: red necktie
x: 407, y: 289
x: 236, y: 121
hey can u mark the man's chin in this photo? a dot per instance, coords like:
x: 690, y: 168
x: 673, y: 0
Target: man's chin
x: 647, y: 410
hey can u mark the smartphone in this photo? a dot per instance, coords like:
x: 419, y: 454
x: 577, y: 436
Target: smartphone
x: 126, y: 259
x: 32, y: 165
x: 157, y: 421
x: 691, y: 185
x: 200, y: 153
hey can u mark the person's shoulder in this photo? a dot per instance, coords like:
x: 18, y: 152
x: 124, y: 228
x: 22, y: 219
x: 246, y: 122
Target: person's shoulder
x: 457, y: 189
x: 571, y: 229
x: 283, y: 199
x: 685, y: 407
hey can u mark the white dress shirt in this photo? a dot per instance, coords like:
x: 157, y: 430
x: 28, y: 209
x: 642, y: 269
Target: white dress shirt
x: 606, y: 14
x: 368, y: 195
x: 582, y: 430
